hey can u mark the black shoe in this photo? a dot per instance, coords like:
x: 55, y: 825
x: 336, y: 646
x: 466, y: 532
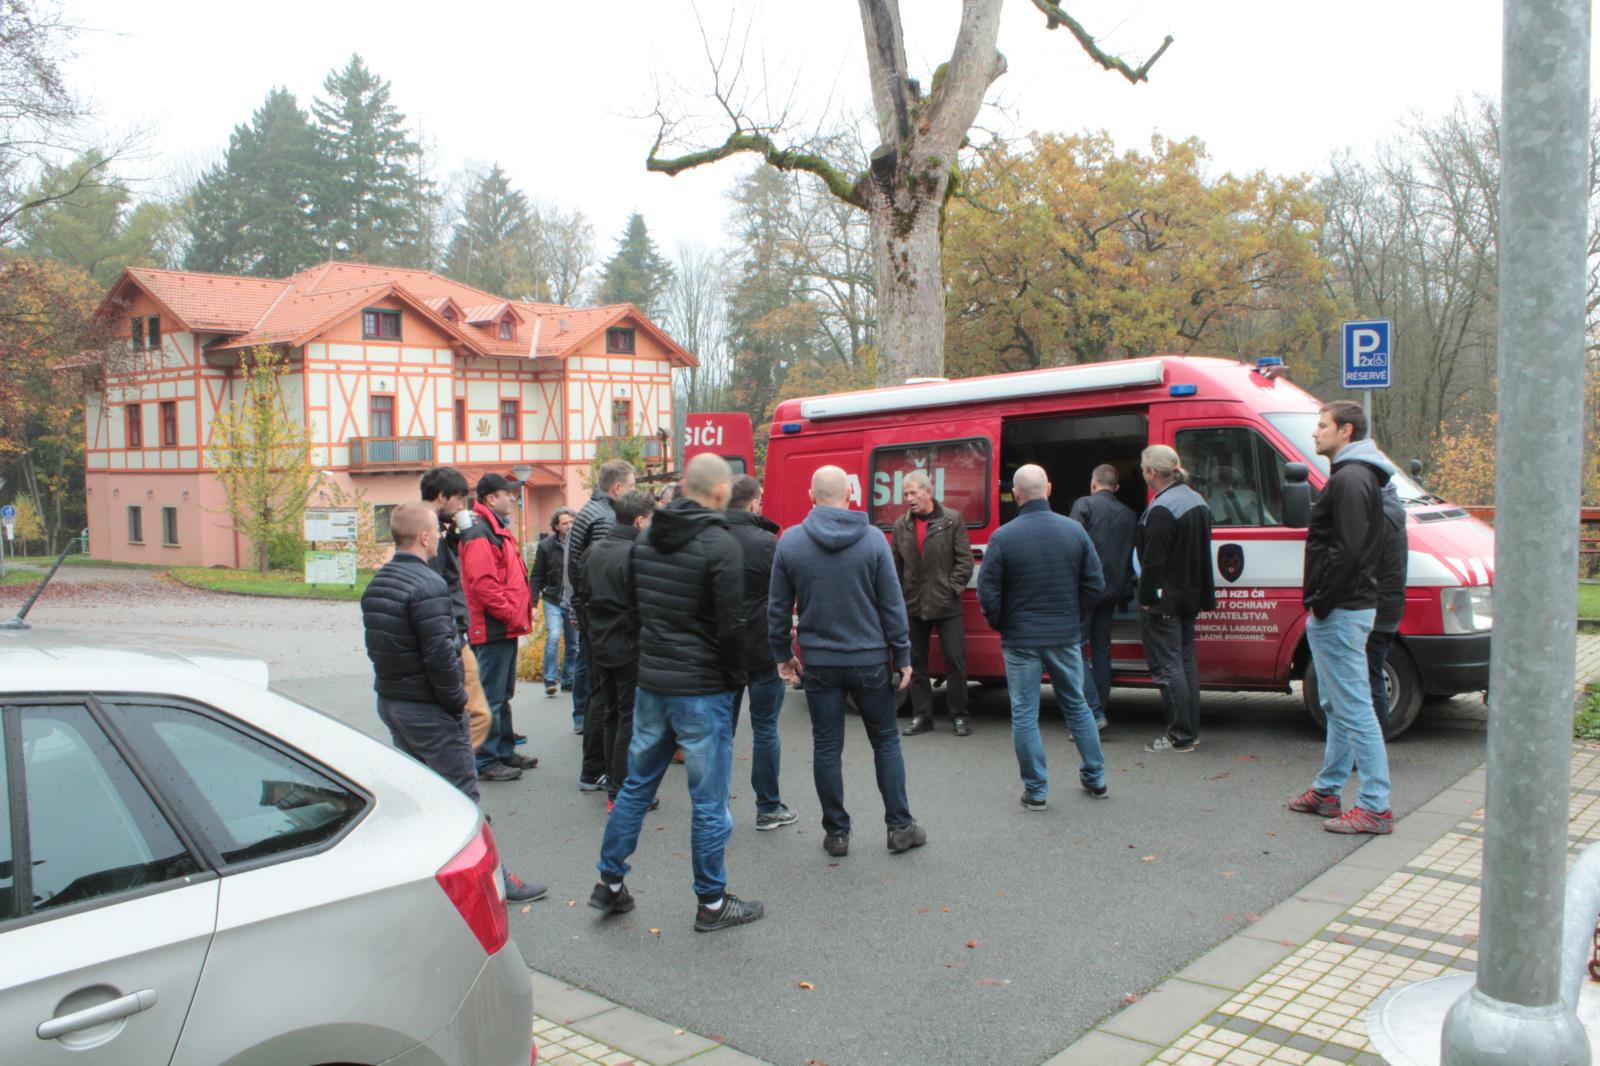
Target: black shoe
x: 907, y: 837
x: 917, y: 725
x: 499, y: 771
x: 519, y: 739
x: 618, y: 902
x: 592, y: 786
x: 1029, y: 803
x: 577, y: 727
x: 734, y: 911
x: 961, y: 726
x: 523, y: 762
x: 520, y: 891
x: 836, y: 844
x: 1099, y: 793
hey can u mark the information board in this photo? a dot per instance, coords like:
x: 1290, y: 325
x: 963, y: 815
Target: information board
x: 331, y: 568
x: 331, y: 524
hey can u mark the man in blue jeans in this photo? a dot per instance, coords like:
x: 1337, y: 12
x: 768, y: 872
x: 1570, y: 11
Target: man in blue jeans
x: 547, y: 577
x: 836, y: 573
x: 1038, y: 569
x: 757, y: 536
x: 689, y: 584
x: 1344, y: 551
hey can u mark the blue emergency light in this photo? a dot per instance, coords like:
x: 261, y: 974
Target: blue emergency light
x: 1181, y: 390
x: 791, y: 427
x: 1268, y: 360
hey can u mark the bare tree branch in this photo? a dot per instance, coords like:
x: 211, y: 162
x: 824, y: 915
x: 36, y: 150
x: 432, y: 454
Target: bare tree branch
x: 839, y: 183
x: 1056, y: 17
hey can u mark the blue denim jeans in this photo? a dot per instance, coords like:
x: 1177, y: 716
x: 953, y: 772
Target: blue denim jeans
x: 872, y: 688
x: 703, y: 727
x: 766, y: 700
x: 1024, y: 670
x: 1097, y: 693
x: 497, y: 669
x: 1339, y: 648
x: 559, y: 665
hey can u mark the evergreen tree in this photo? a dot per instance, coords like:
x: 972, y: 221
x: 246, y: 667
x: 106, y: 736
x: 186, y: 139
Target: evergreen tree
x: 251, y: 213
x: 637, y: 274
x: 370, y: 186
x: 494, y: 240
x: 95, y: 227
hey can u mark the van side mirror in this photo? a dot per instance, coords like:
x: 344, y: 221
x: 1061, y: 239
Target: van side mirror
x: 1296, y: 495
x: 1416, y: 470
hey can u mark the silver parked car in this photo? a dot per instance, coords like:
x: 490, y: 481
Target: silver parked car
x: 197, y: 871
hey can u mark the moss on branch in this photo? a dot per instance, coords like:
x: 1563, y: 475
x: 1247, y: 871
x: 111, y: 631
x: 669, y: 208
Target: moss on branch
x: 839, y: 183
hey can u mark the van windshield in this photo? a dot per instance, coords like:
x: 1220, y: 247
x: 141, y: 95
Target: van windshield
x: 1298, y: 427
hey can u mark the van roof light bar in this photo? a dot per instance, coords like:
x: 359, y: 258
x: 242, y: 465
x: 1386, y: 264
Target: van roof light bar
x: 1001, y: 387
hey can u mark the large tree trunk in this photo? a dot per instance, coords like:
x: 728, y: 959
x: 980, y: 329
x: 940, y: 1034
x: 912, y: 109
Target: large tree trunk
x: 907, y: 240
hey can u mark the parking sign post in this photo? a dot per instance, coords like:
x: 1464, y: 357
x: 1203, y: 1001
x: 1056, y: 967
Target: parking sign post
x: 1366, y: 359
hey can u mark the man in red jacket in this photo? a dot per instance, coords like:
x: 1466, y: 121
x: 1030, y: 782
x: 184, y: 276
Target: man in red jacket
x: 499, y: 610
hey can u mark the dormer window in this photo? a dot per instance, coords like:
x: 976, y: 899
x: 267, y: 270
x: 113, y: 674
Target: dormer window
x: 380, y: 325
x: 508, y: 329
x: 619, y: 341
x: 449, y: 314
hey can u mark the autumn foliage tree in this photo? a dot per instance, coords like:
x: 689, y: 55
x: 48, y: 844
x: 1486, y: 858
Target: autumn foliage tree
x: 261, y: 455
x: 1066, y: 250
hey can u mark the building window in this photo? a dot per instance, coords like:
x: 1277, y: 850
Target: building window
x: 154, y: 325
x: 461, y: 420
x: 380, y: 417
x: 620, y: 341
x: 508, y: 329
x: 622, y: 418
x: 449, y: 314
x: 138, y: 333
x: 169, y: 423
x: 169, y: 526
x: 380, y: 325
x: 136, y: 525
x: 380, y: 522
x: 135, y: 426
x: 510, y: 416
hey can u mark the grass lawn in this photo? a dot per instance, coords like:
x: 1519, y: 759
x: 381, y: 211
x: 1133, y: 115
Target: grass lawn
x: 83, y: 560
x: 1589, y: 601
x: 19, y: 577
x: 289, y: 583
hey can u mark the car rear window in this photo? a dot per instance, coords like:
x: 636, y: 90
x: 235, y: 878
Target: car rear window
x: 249, y: 799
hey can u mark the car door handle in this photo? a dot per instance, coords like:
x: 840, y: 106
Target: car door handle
x: 122, y: 1007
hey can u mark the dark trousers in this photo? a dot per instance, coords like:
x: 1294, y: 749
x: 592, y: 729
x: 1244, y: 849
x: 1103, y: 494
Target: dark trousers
x: 434, y: 737
x: 497, y: 668
x: 1377, y: 654
x: 1169, y: 649
x: 953, y: 642
x: 585, y: 693
x: 766, y: 749
x: 872, y: 688
x: 1098, y: 692
x: 611, y: 701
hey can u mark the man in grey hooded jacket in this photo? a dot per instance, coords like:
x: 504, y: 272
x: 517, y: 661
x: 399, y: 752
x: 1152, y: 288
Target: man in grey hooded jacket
x: 836, y: 573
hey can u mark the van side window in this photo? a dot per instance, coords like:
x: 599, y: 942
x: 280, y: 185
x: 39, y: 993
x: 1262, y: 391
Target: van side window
x: 959, y: 469
x: 1237, y: 471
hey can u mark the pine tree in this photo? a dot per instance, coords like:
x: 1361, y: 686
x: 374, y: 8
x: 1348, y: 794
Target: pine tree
x: 251, y: 213
x: 95, y: 228
x: 369, y: 186
x: 637, y: 274
x: 494, y: 244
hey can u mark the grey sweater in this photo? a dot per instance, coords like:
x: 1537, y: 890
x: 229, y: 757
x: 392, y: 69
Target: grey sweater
x: 837, y: 573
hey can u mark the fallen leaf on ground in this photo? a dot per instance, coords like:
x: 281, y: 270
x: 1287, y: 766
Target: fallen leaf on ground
x: 1132, y: 997
x: 807, y: 985
x: 987, y: 981
x: 1252, y: 917
x: 1219, y: 777
x: 655, y: 932
x: 1227, y: 873
x: 944, y: 910
x: 1148, y: 858
x: 527, y: 909
x: 572, y: 903
x: 972, y: 943
x: 677, y: 1032
x: 1247, y: 758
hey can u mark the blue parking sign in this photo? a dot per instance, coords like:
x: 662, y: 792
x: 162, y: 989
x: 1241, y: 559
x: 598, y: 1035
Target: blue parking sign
x: 1367, y: 356
x: 8, y: 513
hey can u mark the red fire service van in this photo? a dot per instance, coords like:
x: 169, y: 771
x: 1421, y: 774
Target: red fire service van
x: 1244, y: 436
x: 725, y: 433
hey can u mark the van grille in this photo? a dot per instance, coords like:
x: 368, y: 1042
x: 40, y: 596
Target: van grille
x: 1440, y: 516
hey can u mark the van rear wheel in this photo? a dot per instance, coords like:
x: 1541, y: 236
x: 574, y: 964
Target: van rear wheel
x: 1403, y: 680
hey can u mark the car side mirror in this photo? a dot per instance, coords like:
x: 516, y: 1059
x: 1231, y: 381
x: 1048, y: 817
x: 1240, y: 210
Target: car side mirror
x: 1416, y: 470
x: 1296, y: 495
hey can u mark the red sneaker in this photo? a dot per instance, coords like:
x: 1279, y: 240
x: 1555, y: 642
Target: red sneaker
x: 611, y: 805
x: 1361, y: 820
x: 1322, y: 804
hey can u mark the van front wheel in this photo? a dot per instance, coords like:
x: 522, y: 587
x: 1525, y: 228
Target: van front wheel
x: 1404, y: 682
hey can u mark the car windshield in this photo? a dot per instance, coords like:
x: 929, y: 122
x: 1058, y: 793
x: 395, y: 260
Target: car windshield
x: 1298, y: 427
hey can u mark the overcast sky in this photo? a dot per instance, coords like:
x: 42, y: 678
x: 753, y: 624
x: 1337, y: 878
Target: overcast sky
x: 550, y: 90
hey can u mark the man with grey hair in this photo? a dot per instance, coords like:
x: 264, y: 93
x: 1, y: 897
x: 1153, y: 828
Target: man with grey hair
x: 934, y: 560
x: 1175, y: 584
x: 1038, y: 570
x: 836, y: 574
x: 689, y: 583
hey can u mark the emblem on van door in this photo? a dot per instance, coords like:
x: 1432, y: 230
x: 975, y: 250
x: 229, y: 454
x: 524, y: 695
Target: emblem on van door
x: 1230, y: 562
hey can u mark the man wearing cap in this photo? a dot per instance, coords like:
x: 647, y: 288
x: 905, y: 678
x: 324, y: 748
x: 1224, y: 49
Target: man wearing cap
x: 499, y: 610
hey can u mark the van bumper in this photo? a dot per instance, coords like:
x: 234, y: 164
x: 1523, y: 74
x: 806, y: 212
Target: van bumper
x: 1451, y: 664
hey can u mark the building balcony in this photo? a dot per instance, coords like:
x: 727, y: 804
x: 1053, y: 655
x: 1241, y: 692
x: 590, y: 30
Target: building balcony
x: 386, y: 454
x: 653, y: 452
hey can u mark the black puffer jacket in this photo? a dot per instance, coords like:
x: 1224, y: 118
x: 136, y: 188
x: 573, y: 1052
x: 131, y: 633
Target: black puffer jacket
x: 1392, y: 564
x: 605, y: 595
x: 411, y: 636
x: 592, y: 523
x: 689, y: 579
x: 447, y: 564
x: 757, y: 536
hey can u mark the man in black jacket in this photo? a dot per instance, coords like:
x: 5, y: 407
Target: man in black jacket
x: 689, y: 581
x: 1112, y: 527
x: 546, y: 576
x: 1175, y: 584
x: 593, y: 522
x: 414, y: 646
x: 1344, y: 551
x: 445, y: 489
x: 1391, y: 600
x: 757, y: 537
x: 933, y: 559
x: 606, y: 597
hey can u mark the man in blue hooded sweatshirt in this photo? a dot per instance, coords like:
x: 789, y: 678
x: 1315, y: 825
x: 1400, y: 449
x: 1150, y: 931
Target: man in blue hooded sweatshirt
x: 836, y: 572
x: 1344, y: 551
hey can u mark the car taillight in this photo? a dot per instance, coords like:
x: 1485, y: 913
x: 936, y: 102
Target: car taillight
x: 474, y: 884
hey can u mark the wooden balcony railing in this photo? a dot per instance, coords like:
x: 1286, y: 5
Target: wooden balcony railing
x: 391, y: 453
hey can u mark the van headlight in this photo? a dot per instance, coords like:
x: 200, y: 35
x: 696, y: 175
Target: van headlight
x: 1467, y: 610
